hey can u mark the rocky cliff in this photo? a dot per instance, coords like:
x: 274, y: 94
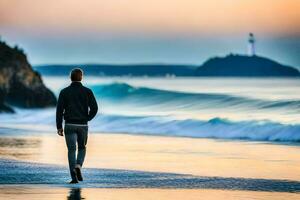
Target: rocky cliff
x: 20, y: 85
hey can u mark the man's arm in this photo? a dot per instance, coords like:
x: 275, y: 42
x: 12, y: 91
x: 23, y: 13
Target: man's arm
x: 59, y: 111
x: 92, y: 105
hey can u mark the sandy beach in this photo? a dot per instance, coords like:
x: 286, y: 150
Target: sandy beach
x: 150, y: 167
x: 201, y: 157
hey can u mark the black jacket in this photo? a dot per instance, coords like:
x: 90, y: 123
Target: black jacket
x: 76, y: 104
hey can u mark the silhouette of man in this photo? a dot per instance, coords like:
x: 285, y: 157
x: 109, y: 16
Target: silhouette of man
x: 76, y: 105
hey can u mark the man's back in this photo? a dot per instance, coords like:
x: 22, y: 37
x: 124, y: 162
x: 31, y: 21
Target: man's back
x: 76, y: 104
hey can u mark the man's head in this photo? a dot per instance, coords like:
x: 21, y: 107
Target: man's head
x: 76, y: 74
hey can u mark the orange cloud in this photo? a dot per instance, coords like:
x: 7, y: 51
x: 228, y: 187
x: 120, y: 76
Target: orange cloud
x: 211, y: 16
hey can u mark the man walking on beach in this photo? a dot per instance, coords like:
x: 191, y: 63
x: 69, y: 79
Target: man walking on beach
x: 76, y: 105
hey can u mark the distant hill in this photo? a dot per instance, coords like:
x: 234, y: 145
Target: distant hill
x: 20, y: 85
x: 120, y: 70
x: 231, y: 65
x: 245, y: 66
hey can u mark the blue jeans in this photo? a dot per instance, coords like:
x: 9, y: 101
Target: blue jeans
x: 76, y: 135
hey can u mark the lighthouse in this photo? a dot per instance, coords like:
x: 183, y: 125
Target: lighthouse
x: 251, y: 45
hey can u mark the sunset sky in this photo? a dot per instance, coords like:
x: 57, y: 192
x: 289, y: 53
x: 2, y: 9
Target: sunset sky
x: 142, y: 31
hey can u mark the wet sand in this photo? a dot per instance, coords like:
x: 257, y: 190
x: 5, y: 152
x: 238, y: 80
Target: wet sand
x: 43, y: 193
x: 203, y: 157
x: 150, y: 167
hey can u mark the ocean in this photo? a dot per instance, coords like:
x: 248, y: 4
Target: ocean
x: 259, y: 109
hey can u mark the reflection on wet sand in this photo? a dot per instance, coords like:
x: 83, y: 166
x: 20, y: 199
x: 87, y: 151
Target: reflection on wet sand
x: 75, y: 194
x: 19, y: 142
x: 19, y: 148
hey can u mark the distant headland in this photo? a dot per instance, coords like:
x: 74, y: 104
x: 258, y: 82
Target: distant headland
x: 232, y: 65
x: 245, y: 66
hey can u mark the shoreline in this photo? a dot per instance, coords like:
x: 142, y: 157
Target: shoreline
x: 23, y: 132
x: 198, y: 157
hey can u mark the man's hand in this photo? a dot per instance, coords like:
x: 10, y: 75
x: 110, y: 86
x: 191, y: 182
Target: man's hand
x: 60, y: 132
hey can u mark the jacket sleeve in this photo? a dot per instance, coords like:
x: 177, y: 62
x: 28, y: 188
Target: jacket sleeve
x: 59, y: 111
x: 93, y: 106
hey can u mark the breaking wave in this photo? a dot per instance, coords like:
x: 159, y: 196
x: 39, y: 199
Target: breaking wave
x: 213, y: 128
x: 122, y: 92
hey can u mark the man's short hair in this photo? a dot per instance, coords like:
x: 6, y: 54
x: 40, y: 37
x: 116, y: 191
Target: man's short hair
x: 76, y: 74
